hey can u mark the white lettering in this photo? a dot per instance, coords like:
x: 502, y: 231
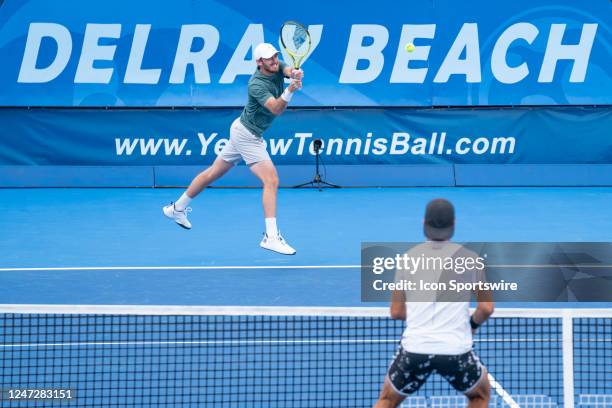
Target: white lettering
x: 503, y: 143
x: 198, y: 59
x: 353, y: 142
x: 399, y: 143
x: 372, y: 53
x: 402, y: 73
x: 578, y: 53
x: 150, y: 146
x: 173, y: 147
x: 238, y: 64
x: 460, y: 143
x: 501, y: 71
x: 134, y: 74
x: 280, y: 146
x: 419, y: 146
x: 220, y: 145
x: 28, y: 73
x: 302, y: 137
x: 206, y: 141
x: 470, y: 66
x: 380, y: 147
x: 480, y: 145
x: 330, y: 146
x: 126, y: 146
x: 92, y: 51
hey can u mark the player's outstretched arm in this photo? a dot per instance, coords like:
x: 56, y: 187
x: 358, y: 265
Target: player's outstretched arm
x: 278, y: 105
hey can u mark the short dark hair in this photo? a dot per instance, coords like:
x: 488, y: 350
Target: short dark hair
x: 439, y: 220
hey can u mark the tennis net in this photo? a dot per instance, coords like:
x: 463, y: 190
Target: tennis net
x: 284, y: 357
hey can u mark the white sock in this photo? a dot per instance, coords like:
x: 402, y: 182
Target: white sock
x: 182, y: 202
x: 271, y: 229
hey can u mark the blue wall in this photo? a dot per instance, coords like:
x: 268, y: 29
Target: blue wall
x: 553, y: 54
x: 397, y: 147
x: 144, y: 53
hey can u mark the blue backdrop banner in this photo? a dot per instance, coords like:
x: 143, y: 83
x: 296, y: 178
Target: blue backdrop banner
x: 369, y: 136
x: 199, y: 53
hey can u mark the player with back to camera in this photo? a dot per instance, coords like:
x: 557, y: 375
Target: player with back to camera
x: 266, y: 100
x: 438, y: 334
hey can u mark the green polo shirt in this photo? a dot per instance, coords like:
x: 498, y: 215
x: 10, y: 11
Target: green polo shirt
x: 255, y: 116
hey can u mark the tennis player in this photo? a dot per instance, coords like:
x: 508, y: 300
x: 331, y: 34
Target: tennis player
x: 267, y: 99
x: 438, y: 334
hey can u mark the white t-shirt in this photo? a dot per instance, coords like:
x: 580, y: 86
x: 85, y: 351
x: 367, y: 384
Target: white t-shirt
x: 437, y: 328
x: 433, y: 326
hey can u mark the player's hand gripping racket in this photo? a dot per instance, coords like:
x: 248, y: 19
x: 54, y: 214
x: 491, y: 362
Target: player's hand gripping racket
x: 295, y: 39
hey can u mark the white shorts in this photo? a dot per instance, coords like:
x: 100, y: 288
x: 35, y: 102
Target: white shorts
x: 244, y: 145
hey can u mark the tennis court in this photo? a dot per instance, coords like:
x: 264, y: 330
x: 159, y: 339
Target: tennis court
x: 140, y: 268
x: 110, y: 304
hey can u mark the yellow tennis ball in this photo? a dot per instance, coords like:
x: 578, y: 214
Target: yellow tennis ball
x: 409, y: 47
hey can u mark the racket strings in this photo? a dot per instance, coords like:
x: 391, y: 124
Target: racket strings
x: 295, y: 38
x: 299, y: 37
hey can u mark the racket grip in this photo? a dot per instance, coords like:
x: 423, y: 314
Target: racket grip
x: 294, y: 73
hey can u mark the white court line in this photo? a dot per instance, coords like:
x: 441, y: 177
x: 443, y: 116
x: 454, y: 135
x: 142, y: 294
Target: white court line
x: 247, y: 267
x: 173, y: 268
x: 502, y: 392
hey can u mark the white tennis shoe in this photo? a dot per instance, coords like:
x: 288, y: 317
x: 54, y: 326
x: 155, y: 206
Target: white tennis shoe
x: 276, y: 244
x: 180, y: 217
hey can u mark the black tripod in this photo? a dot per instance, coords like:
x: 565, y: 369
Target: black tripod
x: 317, y: 181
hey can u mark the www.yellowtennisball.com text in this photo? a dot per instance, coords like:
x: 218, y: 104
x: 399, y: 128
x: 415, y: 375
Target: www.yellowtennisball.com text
x: 397, y: 144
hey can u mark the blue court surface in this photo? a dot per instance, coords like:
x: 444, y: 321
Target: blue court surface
x: 113, y: 246
x: 109, y: 248
x: 506, y: 111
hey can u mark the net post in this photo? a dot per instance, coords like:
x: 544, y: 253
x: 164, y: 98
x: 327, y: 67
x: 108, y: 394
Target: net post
x: 568, y: 358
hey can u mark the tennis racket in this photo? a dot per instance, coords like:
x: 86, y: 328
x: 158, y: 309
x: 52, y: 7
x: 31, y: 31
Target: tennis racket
x: 295, y: 39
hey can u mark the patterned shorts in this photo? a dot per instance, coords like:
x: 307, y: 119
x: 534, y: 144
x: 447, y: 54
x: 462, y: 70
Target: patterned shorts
x: 409, y: 371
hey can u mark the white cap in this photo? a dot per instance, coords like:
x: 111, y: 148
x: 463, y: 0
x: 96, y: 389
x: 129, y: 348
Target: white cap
x: 264, y: 50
